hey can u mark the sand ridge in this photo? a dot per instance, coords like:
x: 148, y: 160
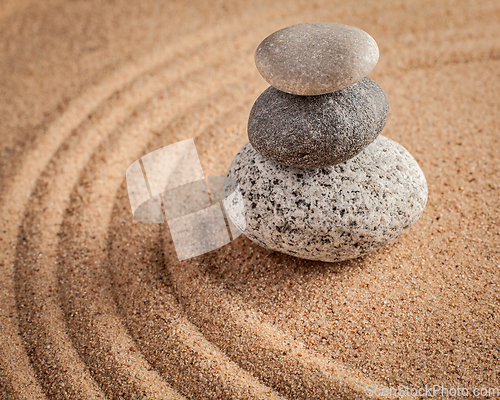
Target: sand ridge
x: 96, y: 306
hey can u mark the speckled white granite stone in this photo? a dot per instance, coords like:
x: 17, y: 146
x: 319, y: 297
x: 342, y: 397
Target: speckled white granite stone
x: 330, y: 214
x: 317, y: 131
x: 316, y: 57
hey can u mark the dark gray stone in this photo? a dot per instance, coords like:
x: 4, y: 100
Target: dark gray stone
x: 328, y: 214
x: 317, y: 131
x: 316, y: 57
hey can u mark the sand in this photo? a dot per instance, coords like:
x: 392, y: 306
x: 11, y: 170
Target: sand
x: 94, y: 305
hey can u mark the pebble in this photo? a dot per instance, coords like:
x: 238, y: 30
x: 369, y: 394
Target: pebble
x: 316, y: 58
x: 334, y: 213
x: 317, y: 131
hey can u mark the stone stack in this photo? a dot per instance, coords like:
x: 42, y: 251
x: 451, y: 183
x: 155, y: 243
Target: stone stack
x: 316, y: 179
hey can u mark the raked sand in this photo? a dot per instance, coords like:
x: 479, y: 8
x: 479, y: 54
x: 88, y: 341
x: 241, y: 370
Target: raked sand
x: 94, y: 306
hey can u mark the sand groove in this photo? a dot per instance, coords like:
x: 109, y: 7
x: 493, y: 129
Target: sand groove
x: 12, y: 207
x: 256, y: 345
x: 169, y: 340
x: 82, y: 304
x: 74, y: 116
x: 55, y: 195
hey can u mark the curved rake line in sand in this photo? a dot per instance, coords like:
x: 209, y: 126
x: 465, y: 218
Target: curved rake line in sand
x: 12, y: 354
x: 12, y: 209
x: 13, y: 358
x: 97, y: 305
x: 89, y: 142
x: 128, y: 144
x: 168, y: 329
x: 91, y: 135
x: 55, y: 195
x: 475, y: 43
x: 311, y: 375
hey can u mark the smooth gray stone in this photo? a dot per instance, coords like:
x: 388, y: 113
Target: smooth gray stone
x: 330, y: 214
x: 316, y: 58
x: 317, y: 131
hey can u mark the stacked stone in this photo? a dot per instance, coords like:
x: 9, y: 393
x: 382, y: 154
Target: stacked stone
x: 316, y: 179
